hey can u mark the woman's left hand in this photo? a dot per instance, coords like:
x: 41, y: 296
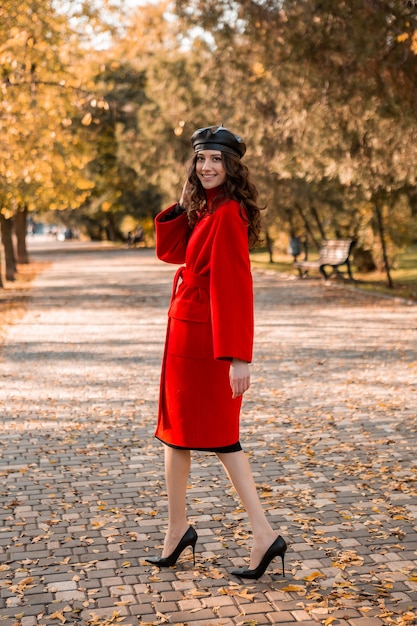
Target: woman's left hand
x: 239, y: 375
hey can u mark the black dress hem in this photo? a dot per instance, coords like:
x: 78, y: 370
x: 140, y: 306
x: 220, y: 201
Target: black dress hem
x: 234, y: 447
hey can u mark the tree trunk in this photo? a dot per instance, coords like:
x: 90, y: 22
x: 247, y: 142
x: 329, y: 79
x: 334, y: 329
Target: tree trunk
x: 318, y: 222
x: 290, y: 218
x: 381, y: 229
x: 269, y: 246
x: 6, y: 227
x: 307, y: 226
x: 111, y: 230
x: 20, y: 226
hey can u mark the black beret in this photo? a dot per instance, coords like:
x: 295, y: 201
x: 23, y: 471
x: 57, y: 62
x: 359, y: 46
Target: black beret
x: 218, y: 138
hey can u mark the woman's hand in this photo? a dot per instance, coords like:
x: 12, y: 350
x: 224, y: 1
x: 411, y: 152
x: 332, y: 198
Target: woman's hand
x: 185, y: 195
x: 239, y: 375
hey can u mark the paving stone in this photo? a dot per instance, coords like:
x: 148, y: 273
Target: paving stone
x: 366, y: 621
x: 281, y: 618
x: 203, y: 616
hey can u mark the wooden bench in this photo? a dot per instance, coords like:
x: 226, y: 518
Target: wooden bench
x: 333, y: 253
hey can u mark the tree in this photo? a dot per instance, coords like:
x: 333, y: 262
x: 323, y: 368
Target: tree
x: 42, y: 92
x: 325, y: 85
x: 116, y: 186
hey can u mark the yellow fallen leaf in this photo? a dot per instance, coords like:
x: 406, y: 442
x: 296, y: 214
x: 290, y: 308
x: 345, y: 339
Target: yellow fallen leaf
x: 60, y: 616
x: 197, y: 593
x: 314, y: 576
x: 24, y: 583
x: 344, y: 584
x: 246, y: 595
x: 237, y: 591
x: 215, y: 573
x: 409, y: 617
x: 297, y: 588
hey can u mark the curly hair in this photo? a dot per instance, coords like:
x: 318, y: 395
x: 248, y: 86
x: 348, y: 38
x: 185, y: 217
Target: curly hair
x: 238, y: 186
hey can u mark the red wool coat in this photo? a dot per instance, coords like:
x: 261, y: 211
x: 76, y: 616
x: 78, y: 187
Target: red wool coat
x: 210, y: 321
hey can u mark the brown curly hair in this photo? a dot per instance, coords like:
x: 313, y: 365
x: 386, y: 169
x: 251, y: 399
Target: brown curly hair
x: 238, y: 186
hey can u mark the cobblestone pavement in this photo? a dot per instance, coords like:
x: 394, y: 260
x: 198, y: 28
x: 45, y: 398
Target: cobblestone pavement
x: 329, y: 423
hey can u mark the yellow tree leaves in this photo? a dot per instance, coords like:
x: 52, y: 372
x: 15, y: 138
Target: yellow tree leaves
x: 41, y: 157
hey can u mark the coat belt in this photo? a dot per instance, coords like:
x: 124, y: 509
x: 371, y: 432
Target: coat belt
x: 189, y: 278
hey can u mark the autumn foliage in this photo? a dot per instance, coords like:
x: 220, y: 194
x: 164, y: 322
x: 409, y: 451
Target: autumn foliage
x: 98, y: 102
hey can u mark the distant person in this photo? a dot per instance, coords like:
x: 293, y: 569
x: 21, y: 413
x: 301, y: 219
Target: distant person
x: 134, y: 238
x: 138, y: 236
x: 210, y: 336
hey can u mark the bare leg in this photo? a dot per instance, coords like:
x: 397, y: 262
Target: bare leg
x: 239, y: 471
x: 177, y: 469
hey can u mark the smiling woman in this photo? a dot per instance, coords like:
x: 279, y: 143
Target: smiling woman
x: 208, y: 348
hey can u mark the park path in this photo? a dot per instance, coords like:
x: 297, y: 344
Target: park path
x: 329, y: 423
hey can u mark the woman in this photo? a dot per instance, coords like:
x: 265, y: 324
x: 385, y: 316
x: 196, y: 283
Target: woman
x: 210, y: 335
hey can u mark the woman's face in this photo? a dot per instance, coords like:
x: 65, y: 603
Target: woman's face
x: 209, y: 168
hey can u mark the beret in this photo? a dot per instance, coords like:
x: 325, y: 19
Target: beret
x: 218, y: 138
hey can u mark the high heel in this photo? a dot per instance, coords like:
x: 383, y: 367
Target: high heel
x: 278, y: 548
x: 188, y: 539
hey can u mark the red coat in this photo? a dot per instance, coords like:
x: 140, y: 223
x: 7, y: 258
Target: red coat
x: 210, y: 322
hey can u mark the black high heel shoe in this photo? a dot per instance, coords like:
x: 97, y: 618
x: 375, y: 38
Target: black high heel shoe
x: 278, y: 548
x: 188, y: 539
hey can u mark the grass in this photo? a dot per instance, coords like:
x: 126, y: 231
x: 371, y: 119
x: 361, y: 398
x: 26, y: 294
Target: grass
x: 404, y: 276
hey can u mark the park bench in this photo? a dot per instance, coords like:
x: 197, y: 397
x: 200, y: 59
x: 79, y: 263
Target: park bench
x: 333, y: 253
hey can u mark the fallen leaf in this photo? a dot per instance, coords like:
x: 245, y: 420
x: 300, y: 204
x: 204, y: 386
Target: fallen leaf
x: 59, y: 615
x: 295, y: 588
x: 314, y: 576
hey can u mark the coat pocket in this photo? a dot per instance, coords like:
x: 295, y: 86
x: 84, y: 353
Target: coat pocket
x: 189, y: 334
x: 188, y: 340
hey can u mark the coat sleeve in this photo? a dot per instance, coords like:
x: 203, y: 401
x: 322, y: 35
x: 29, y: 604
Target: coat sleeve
x: 231, y: 290
x: 171, y: 236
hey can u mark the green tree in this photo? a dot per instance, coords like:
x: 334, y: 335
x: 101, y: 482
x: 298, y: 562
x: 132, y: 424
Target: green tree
x: 112, y: 124
x: 328, y: 91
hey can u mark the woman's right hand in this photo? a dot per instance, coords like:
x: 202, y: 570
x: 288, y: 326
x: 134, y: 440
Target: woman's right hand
x: 185, y: 195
